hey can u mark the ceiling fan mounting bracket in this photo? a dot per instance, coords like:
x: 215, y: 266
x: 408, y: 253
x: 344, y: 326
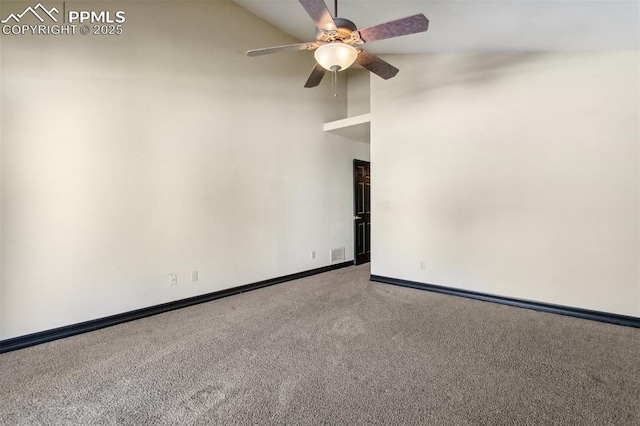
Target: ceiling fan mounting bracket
x: 354, y: 38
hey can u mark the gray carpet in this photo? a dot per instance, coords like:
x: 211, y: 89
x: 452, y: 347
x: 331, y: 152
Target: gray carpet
x: 332, y: 349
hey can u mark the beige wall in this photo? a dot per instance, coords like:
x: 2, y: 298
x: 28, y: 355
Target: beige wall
x: 164, y: 150
x: 510, y: 174
x: 358, y: 92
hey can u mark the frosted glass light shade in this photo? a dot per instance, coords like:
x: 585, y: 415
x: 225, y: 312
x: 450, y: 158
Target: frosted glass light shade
x: 336, y: 56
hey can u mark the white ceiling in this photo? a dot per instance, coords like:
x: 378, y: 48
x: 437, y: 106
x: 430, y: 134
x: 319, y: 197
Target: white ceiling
x: 477, y: 26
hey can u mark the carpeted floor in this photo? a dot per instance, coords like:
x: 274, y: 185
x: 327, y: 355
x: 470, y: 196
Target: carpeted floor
x: 332, y: 349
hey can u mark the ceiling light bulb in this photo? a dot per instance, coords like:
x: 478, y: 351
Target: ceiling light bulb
x: 336, y: 56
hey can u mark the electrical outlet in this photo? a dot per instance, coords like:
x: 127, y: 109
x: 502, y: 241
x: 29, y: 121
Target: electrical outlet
x: 423, y: 265
x: 313, y: 254
x: 194, y: 276
x: 173, y: 279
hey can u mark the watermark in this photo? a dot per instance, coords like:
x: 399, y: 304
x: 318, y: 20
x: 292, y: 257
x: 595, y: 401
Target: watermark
x: 55, y: 18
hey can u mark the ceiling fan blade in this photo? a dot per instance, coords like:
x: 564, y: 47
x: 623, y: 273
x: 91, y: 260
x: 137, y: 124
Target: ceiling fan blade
x: 405, y: 26
x: 286, y: 48
x: 376, y: 65
x: 319, y: 13
x: 316, y: 76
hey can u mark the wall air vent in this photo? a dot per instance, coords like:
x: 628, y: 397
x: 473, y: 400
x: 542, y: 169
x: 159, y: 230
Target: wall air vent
x: 337, y: 255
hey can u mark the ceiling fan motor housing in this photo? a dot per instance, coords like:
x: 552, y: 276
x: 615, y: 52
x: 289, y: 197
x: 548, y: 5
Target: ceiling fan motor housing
x: 344, y: 31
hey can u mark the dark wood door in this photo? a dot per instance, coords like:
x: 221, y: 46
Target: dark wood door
x: 362, y: 211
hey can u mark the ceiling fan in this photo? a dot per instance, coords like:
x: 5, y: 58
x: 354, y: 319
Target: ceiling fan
x: 336, y: 38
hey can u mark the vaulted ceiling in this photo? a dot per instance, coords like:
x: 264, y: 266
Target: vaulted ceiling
x: 477, y: 26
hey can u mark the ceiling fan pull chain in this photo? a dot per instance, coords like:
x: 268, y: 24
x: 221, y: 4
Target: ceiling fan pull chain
x: 335, y: 82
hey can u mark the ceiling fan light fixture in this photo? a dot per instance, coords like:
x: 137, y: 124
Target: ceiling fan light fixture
x: 336, y: 56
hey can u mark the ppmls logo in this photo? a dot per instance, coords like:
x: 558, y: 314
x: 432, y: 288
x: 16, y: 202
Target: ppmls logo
x: 33, y: 11
x: 103, y: 22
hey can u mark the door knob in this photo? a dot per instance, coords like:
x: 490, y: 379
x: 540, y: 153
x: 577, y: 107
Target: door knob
x: 357, y: 217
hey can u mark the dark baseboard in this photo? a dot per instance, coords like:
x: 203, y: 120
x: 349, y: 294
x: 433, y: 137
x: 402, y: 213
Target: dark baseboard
x: 25, y: 341
x: 624, y: 320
